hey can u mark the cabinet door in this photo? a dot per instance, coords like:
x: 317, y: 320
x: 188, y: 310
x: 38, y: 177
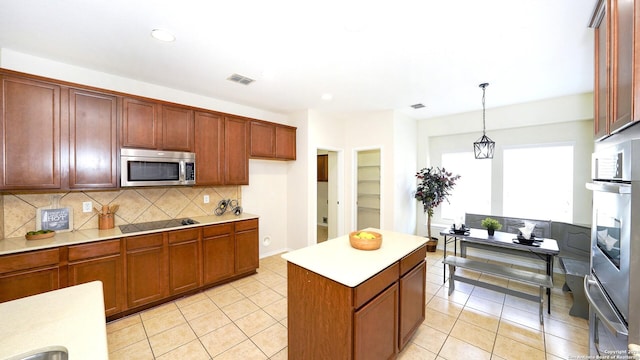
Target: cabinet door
x: 622, y: 49
x: 376, y: 327
x: 27, y: 274
x: 601, y: 86
x: 412, y: 302
x: 184, y: 260
x: 93, y: 140
x: 218, y: 253
x: 285, y: 143
x: 146, y: 269
x: 209, y: 148
x: 323, y: 168
x: 140, y: 124
x: 177, y: 129
x: 247, y: 257
x: 236, y: 156
x: 30, y: 132
x: 99, y: 261
x: 262, y: 144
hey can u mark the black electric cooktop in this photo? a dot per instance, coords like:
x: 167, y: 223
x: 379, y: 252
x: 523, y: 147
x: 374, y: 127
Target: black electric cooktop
x: 155, y: 225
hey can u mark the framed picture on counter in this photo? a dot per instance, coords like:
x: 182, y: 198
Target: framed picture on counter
x: 60, y: 219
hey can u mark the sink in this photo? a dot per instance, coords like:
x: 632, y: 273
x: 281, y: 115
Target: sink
x: 48, y: 353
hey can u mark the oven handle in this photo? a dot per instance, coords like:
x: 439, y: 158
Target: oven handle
x: 616, y: 328
x: 615, y: 188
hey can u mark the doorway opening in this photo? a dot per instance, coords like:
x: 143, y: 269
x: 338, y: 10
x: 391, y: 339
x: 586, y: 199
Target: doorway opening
x: 328, y: 219
x: 368, y: 188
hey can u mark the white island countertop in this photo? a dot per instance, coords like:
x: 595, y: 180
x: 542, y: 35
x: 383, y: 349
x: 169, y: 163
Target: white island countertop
x: 335, y: 259
x: 70, y: 318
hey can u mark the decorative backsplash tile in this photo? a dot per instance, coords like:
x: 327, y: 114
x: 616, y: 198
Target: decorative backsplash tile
x: 136, y: 205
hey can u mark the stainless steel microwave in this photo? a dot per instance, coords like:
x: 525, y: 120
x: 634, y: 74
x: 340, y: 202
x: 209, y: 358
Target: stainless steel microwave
x: 139, y: 167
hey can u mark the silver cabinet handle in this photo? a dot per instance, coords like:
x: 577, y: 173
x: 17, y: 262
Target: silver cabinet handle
x: 616, y: 328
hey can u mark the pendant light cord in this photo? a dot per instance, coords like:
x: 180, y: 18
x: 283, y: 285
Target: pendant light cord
x: 483, y: 86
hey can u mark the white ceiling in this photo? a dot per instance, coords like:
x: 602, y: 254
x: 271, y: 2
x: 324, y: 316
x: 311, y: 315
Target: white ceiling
x: 371, y: 55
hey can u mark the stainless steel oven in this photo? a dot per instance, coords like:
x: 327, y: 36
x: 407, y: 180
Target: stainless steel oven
x: 612, y: 287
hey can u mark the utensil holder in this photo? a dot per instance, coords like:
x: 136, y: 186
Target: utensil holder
x: 105, y: 221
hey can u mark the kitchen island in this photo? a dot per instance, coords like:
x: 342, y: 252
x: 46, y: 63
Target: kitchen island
x: 345, y: 303
x: 69, y: 320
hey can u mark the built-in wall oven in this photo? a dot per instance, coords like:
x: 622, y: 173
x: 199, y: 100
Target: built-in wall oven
x: 612, y: 284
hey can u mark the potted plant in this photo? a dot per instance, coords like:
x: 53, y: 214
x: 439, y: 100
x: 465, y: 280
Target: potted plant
x: 434, y: 185
x: 491, y: 225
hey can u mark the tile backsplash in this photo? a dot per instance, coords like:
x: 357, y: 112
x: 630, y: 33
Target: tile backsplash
x: 18, y: 214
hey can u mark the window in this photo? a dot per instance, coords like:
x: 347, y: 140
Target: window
x: 472, y: 192
x: 538, y: 182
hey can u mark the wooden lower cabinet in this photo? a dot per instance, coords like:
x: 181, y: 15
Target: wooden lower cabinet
x: 30, y: 273
x: 376, y: 327
x: 412, y: 292
x: 138, y: 271
x: 146, y: 269
x: 218, y: 252
x: 184, y: 260
x: 99, y: 261
x: 246, y: 252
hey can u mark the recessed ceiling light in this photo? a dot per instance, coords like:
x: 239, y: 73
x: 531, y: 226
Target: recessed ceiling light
x: 163, y: 35
x: 327, y: 96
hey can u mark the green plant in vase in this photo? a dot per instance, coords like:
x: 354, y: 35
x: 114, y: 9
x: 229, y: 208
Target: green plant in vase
x: 491, y: 225
x: 434, y: 185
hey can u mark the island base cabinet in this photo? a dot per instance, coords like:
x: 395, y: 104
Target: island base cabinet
x: 319, y: 315
x: 376, y: 327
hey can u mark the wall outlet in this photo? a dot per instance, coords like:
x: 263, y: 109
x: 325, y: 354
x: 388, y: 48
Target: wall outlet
x: 87, y: 206
x: 206, y: 199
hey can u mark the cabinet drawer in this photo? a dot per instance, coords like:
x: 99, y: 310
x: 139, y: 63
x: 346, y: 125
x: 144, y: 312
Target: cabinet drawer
x: 372, y: 287
x: 97, y: 249
x: 179, y: 236
x: 34, y: 259
x: 144, y: 241
x: 247, y: 225
x: 408, y: 262
x: 217, y: 230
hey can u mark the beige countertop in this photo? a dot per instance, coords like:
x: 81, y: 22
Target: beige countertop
x: 337, y: 260
x: 71, y: 318
x: 21, y: 244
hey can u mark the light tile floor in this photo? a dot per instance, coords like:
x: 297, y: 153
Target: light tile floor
x: 247, y: 319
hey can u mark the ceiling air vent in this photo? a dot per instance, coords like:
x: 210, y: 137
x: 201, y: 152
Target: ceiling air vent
x: 240, y: 79
x: 417, y: 106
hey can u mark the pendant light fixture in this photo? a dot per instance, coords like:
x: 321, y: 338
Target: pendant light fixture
x: 483, y: 148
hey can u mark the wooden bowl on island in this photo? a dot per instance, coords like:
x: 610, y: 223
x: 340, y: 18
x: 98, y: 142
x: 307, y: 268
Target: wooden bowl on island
x: 365, y: 240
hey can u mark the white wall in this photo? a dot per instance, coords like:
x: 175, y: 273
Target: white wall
x: 405, y: 156
x: 559, y: 120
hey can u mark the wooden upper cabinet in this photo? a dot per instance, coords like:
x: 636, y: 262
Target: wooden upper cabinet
x: 177, y: 129
x: 93, y: 140
x: 263, y: 140
x: 236, y: 154
x: 30, y: 125
x: 151, y: 125
x: 209, y: 148
x: 140, y: 124
x: 323, y: 168
x: 285, y: 142
x: 601, y: 86
x: 617, y: 54
x: 272, y: 141
x: 622, y: 60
